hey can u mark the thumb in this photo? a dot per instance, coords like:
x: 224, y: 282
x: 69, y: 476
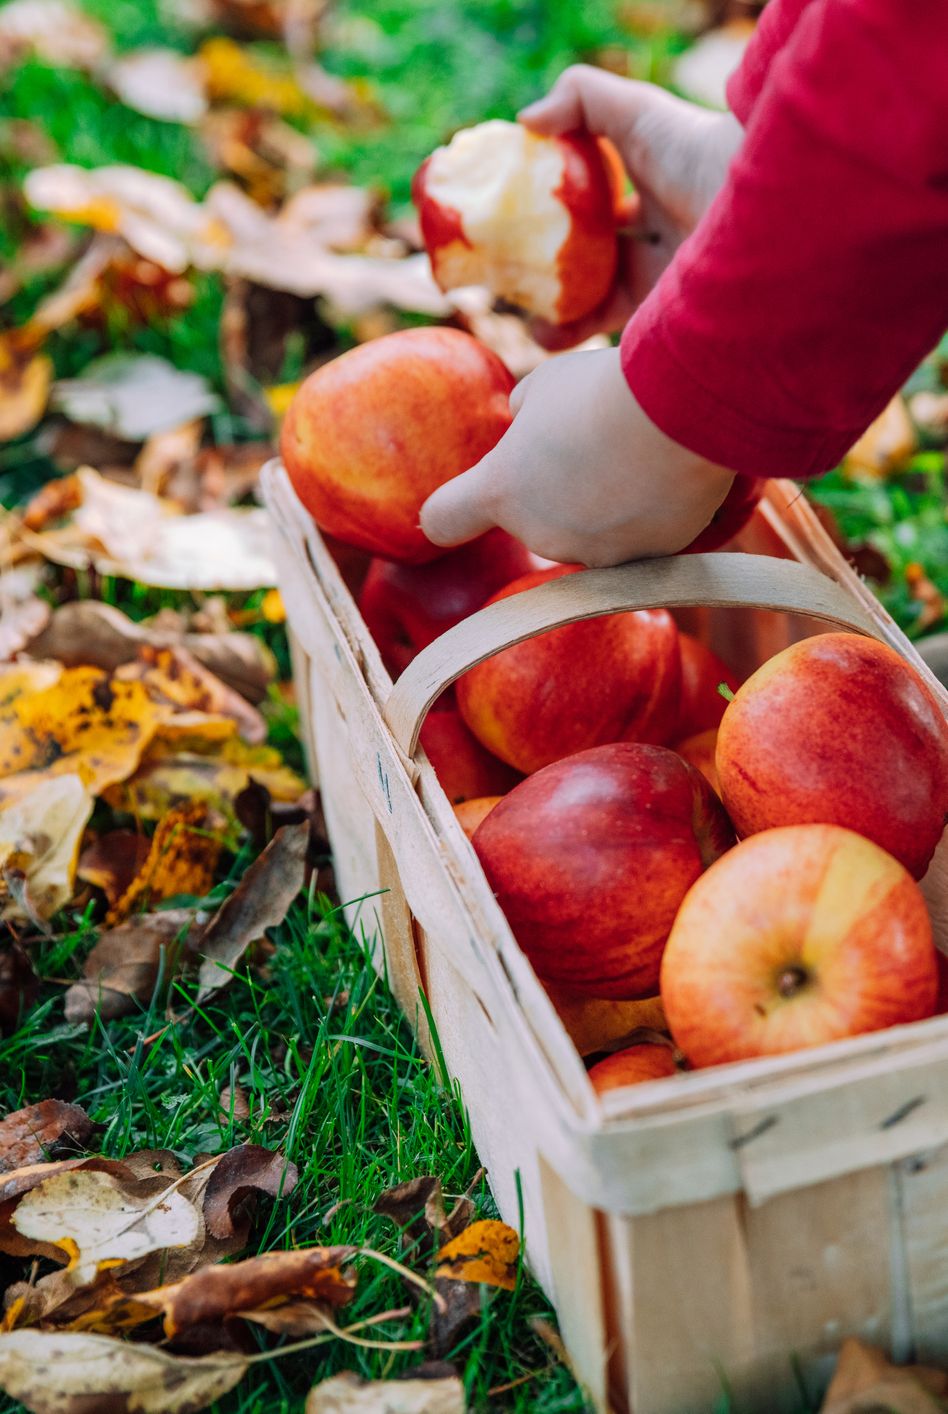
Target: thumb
x: 592, y: 99
x: 459, y: 510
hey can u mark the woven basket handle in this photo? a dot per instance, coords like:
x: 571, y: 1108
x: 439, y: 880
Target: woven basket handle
x: 682, y: 580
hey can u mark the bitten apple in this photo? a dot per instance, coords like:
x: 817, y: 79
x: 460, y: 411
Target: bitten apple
x: 702, y: 705
x: 531, y: 217
x: 614, y: 678
x: 406, y: 607
x: 649, y: 1061
x: 591, y: 857
x: 799, y: 936
x: 470, y: 813
x: 465, y: 770
x: 838, y: 730
x: 369, y: 436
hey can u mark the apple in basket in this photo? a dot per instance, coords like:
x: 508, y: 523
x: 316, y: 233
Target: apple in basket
x: 702, y: 705
x: 593, y: 1023
x: 531, y: 217
x: 798, y: 936
x: 699, y: 751
x: 470, y: 813
x: 608, y: 679
x: 406, y: 607
x: 648, y: 1060
x: 464, y: 768
x: 590, y: 858
x: 839, y: 730
x: 370, y: 435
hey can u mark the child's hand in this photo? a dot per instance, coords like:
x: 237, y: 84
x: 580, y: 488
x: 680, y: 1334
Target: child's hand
x: 677, y: 156
x: 582, y: 474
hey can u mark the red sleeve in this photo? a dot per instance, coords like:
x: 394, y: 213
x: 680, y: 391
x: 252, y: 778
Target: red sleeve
x: 773, y: 31
x: 819, y: 277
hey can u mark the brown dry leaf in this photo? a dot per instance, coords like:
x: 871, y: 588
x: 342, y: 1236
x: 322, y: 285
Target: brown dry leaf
x: 164, y: 454
x: 349, y: 1393
x: 417, y: 1207
x: 232, y: 1104
x: 86, y: 725
x: 123, y: 968
x: 52, y: 501
x: 182, y: 861
x: 486, y: 1252
x: 927, y: 594
x: 174, y: 676
x: 239, y: 1175
x: 886, y: 444
x: 260, y: 901
x: 866, y: 1383
x: 458, y: 1306
x: 19, y: 987
x: 266, y: 154
x: 112, y: 861
x: 40, y: 1131
x: 25, y: 381
x: 100, y: 1222
x: 95, y: 1373
x: 217, y: 775
x: 161, y: 83
x: 40, y: 833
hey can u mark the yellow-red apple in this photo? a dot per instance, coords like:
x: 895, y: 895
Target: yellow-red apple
x: 591, y: 857
x: 464, y: 768
x: 531, y: 217
x: 369, y: 436
x: 593, y: 1023
x: 702, y: 705
x: 699, y: 751
x: 470, y: 813
x: 648, y: 1061
x: 798, y: 936
x: 406, y: 607
x: 838, y: 730
x: 614, y: 678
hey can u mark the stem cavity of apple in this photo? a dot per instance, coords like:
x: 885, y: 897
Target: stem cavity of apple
x: 792, y: 980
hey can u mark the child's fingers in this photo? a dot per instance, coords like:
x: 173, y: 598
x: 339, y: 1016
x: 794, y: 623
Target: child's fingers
x: 459, y: 510
x: 590, y: 98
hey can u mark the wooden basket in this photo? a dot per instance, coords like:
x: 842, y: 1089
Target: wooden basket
x: 716, y: 1231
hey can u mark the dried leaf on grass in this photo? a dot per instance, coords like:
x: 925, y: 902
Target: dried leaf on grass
x: 134, y: 396
x: 19, y: 987
x: 39, y: 1132
x: 886, y: 444
x: 259, y: 902
x: 25, y: 676
x: 865, y: 1382
x: 123, y: 968
x: 175, y: 676
x: 486, y: 1252
x: 218, y: 776
x: 93, y: 1372
x: 112, y: 861
x: 241, y: 1174
x: 25, y: 381
x: 349, y: 1393
x: 20, y: 622
x: 161, y: 83
x: 182, y: 861
x: 40, y: 834
x: 417, y: 1207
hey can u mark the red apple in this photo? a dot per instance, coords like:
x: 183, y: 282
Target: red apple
x: 649, y: 1061
x: 838, y: 730
x: 702, y: 706
x: 470, y: 813
x: 731, y: 516
x: 593, y: 1023
x: 591, y: 857
x: 406, y: 607
x: 465, y: 770
x: 369, y: 436
x: 799, y: 936
x: 614, y: 678
x: 531, y: 217
x: 699, y: 751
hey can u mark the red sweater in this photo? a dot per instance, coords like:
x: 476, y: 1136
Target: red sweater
x: 818, y: 278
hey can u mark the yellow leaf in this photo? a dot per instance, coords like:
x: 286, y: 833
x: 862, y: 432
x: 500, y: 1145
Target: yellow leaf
x: 486, y: 1252
x: 25, y: 378
x: 273, y: 608
x: 234, y: 75
x: 26, y: 676
x: 39, y: 837
x: 170, y: 773
x: 173, y: 677
x: 279, y: 396
x: 886, y: 444
x: 182, y: 860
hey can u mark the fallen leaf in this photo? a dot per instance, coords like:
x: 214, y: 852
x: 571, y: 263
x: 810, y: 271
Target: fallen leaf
x: 865, y: 1382
x: 112, y: 861
x: 886, y: 444
x: 52, y: 501
x: 26, y: 676
x: 20, y: 622
x: 99, y: 1222
x: 417, y: 1207
x: 702, y: 72
x: 182, y: 861
x: 349, y: 1393
x: 486, y: 1252
x: 932, y: 602
x: 160, y: 83
x: 260, y: 901
x: 25, y: 380
x: 164, y: 454
x: 232, y: 1105
x: 457, y: 1307
x: 95, y: 1373
x: 58, y: 33
x: 234, y: 74
x: 123, y: 968
x: 134, y: 396
x: 174, y: 676
x: 240, y: 1174
x: 39, y: 840
x: 169, y: 774
x: 38, y: 1132
x: 19, y: 987
x: 267, y: 155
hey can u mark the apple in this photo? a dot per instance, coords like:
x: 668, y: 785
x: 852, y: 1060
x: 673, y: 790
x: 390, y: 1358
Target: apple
x: 590, y: 858
x: 702, y: 706
x: 531, y: 217
x: 593, y: 1023
x: 614, y: 678
x: 370, y: 435
x: 648, y: 1061
x: 798, y: 936
x: 941, y: 1000
x: 406, y: 607
x: 838, y: 730
x: 470, y: 813
x: 465, y: 770
x: 699, y: 751
x: 731, y: 516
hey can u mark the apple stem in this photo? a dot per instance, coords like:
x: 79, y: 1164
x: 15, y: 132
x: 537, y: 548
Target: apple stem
x: 791, y: 980
x: 725, y: 692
